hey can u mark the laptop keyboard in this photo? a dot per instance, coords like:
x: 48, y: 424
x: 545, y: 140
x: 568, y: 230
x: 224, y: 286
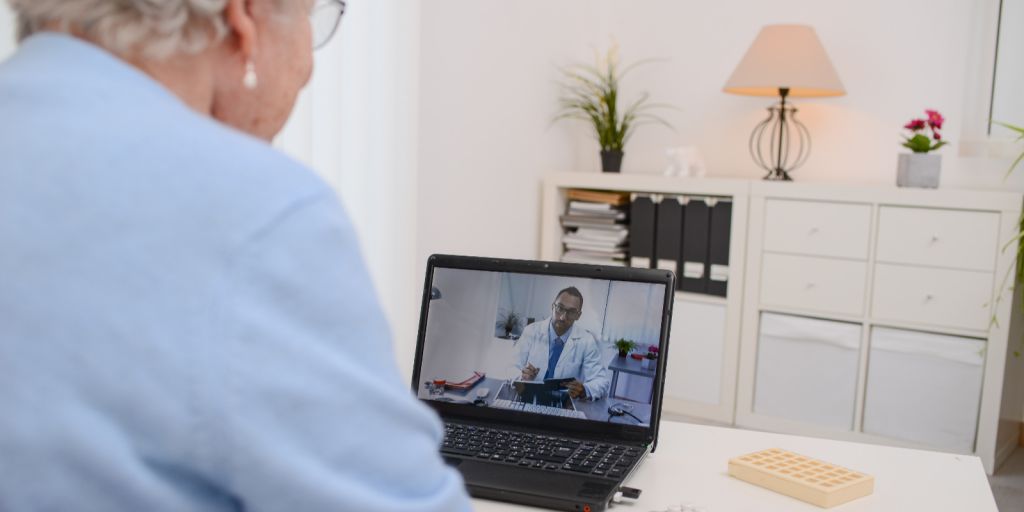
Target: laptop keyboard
x: 539, y: 409
x: 539, y: 452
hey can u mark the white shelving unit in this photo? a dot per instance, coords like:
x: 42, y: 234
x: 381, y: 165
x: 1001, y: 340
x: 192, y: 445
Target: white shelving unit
x: 926, y: 268
x: 701, y: 378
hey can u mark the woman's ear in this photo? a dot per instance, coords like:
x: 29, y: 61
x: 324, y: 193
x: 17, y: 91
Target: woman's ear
x: 239, y: 17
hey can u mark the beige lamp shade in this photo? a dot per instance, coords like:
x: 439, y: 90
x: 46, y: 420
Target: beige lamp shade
x: 786, y: 56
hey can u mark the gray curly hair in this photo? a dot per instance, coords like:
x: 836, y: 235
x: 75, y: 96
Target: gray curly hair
x: 154, y: 29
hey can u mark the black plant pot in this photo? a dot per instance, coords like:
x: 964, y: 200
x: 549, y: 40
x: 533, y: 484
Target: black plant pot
x: 622, y: 353
x: 611, y: 161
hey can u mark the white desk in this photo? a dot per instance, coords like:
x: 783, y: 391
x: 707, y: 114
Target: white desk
x: 691, y: 464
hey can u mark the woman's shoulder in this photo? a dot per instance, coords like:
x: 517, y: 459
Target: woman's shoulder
x: 240, y: 175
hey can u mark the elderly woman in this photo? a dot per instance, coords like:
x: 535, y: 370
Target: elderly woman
x: 185, y: 319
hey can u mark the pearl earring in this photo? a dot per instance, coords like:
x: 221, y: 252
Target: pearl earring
x: 249, y: 80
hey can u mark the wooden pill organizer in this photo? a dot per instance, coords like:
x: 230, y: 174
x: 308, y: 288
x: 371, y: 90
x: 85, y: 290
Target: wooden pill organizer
x: 806, y: 479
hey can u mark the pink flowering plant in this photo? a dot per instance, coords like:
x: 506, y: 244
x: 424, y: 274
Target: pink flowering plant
x: 652, y: 352
x: 921, y: 142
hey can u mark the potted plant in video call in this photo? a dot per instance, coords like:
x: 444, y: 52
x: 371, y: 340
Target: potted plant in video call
x: 591, y: 93
x: 920, y: 169
x: 651, y: 359
x: 510, y: 321
x: 624, y: 346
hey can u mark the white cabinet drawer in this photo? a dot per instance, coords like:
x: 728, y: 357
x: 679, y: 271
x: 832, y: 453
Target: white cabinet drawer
x: 839, y: 230
x: 938, y: 238
x: 819, y: 284
x: 951, y: 298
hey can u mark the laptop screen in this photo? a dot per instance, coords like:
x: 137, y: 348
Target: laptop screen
x: 542, y: 345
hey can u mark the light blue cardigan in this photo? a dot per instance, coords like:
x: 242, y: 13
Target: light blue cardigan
x: 186, y: 323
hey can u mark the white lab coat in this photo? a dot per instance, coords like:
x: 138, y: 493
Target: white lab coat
x: 580, y: 359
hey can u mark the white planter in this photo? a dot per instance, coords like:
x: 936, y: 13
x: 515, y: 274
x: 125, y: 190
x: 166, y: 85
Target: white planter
x: 919, y: 170
x: 648, y: 364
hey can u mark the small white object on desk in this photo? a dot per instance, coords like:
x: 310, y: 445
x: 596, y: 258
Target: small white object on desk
x: 482, y: 392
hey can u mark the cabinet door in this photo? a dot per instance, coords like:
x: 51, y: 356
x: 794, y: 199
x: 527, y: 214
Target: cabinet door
x: 924, y: 387
x: 694, y: 368
x: 839, y: 230
x: 951, y: 298
x: 938, y: 238
x: 817, y: 284
x: 807, y: 369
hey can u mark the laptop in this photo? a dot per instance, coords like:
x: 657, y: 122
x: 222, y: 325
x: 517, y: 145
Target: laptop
x: 519, y: 359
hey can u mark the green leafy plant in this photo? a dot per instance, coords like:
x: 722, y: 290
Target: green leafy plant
x: 625, y: 345
x: 591, y: 93
x: 921, y: 142
x: 510, y: 320
x: 1021, y: 132
x: 1018, y: 269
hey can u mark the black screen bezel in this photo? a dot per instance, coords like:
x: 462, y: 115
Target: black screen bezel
x: 620, y: 431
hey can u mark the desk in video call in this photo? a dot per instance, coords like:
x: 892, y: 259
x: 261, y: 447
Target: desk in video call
x: 596, y: 410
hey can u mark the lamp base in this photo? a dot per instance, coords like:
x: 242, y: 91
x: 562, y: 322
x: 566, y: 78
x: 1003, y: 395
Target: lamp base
x: 777, y: 175
x: 780, y: 143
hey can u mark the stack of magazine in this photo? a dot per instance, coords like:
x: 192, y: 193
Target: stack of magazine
x: 596, y: 228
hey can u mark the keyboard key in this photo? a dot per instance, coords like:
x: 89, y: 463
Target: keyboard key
x: 551, y: 467
x: 615, y: 472
x: 456, y: 451
x: 625, y: 461
x: 632, y: 453
x: 524, y: 462
x: 540, y: 464
x: 484, y: 455
x: 599, y: 472
x: 604, y: 466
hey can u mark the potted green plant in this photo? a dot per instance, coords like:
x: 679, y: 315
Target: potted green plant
x: 591, y: 93
x: 651, y: 359
x: 921, y: 169
x: 624, y: 346
x: 509, y: 320
x: 1018, y: 269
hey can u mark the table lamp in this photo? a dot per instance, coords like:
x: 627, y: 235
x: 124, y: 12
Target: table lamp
x: 786, y: 61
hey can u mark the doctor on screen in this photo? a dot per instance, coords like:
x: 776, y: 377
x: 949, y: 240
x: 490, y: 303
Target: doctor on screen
x: 555, y: 350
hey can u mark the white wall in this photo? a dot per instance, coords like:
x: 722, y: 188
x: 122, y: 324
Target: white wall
x: 487, y: 95
x: 355, y: 125
x: 8, y: 30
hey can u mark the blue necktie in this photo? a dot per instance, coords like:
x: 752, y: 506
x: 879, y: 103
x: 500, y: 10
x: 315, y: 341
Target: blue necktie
x: 556, y: 352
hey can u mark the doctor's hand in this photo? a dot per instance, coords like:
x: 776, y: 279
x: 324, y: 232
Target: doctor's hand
x: 530, y: 372
x: 576, y: 389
